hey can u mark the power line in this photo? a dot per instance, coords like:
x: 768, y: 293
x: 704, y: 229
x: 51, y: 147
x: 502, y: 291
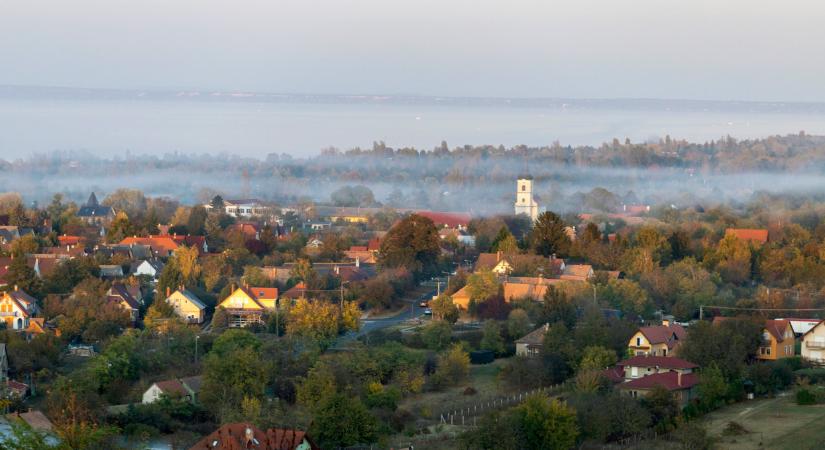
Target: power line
x: 737, y: 308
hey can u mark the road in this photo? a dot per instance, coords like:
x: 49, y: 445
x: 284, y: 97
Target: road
x: 411, y: 311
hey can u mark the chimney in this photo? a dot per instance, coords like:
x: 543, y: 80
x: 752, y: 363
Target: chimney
x: 666, y: 322
x: 357, y: 261
x: 678, y: 378
x: 546, y: 326
x: 168, y: 291
x: 498, y: 256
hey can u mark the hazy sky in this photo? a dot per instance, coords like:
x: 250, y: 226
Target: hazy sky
x: 708, y: 49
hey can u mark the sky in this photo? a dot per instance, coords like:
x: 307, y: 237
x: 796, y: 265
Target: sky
x: 691, y: 49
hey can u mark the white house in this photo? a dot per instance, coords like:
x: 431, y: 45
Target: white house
x: 187, y: 306
x: 184, y: 388
x: 247, y: 207
x: 16, y: 309
x: 148, y: 267
x: 813, y: 344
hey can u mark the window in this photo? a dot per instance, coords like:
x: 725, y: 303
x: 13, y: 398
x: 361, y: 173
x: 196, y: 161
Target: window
x: 523, y: 187
x: 664, y: 352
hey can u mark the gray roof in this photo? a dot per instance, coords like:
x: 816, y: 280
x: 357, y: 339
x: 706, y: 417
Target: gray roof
x: 192, y: 383
x: 192, y: 298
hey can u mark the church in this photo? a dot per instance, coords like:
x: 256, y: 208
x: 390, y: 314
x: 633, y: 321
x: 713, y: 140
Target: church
x: 525, y: 203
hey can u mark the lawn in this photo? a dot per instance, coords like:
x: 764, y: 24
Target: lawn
x: 770, y: 423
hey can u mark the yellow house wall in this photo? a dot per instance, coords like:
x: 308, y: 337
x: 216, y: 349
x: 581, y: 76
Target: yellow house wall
x: 239, y: 300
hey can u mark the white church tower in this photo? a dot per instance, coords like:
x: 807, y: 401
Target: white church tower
x: 525, y: 204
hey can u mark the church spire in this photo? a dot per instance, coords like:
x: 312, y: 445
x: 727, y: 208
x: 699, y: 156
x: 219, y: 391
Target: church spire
x: 92, y: 200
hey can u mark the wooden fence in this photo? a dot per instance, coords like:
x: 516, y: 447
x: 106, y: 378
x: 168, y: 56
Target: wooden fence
x: 467, y: 414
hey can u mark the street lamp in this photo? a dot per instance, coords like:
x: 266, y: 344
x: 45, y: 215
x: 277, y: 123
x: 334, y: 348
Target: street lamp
x: 197, y: 336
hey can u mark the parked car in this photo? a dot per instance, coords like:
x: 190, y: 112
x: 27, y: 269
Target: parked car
x: 423, y: 303
x: 428, y: 312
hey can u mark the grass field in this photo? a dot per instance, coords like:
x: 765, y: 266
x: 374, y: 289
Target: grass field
x: 776, y: 423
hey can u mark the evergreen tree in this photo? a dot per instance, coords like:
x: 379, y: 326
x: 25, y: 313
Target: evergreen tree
x: 549, y: 236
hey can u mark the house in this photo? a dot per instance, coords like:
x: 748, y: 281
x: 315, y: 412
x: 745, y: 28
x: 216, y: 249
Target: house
x: 246, y: 207
x: 577, y: 272
x: 249, y: 230
x: 296, y: 292
x: 505, y: 264
x: 9, y: 233
x: 119, y: 294
x: 183, y: 388
x: 756, y: 236
x: 198, y: 242
x: 111, y: 271
x: 162, y: 246
x: 642, y: 366
x: 44, y: 264
x: 452, y: 220
x: 659, y: 340
x: 17, y: 308
x: 70, y: 241
x: 364, y: 256
x: 148, y: 267
x: 681, y: 385
x: 531, y: 343
x: 239, y: 436
x: 246, y: 305
x: 801, y: 326
x: 461, y: 298
x: 778, y: 340
x: 17, y: 389
x: 813, y: 344
x: 93, y: 213
x: 187, y: 306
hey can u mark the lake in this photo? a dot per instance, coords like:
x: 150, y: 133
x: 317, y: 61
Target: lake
x: 252, y: 128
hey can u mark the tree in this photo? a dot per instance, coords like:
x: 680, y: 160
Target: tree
x: 482, y: 285
x: 317, y: 387
x: 453, y: 367
x: 233, y: 369
x: 353, y: 196
x: 120, y: 228
x: 505, y: 242
x: 558, y: 307
x: 728, y: 345
x: 196, y: 223
x: 518, y: 323
x: 22, y: 276
x: 341, y: 421
x: 663, y: 408
x: 546, y: 424
x: 412, y: 243
x: 597, y: 358
x: 549, y: 235
x: 627, y: 296
x: 437, y: 335
x: 732, y: 259
x: 217, y: 203
x: 491, y: 337
x: 443, y: 308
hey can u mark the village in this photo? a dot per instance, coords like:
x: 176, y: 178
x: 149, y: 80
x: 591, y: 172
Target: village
x: 238, y: 323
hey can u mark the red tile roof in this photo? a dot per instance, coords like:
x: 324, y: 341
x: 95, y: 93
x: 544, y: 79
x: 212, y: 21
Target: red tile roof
x: 374, y: 245
x: 614, y: 374
x: 259, y: 293
x: 69, y: 240
x: 297, y: 291
x: 159, y: 244
x: 777, y: 328
x: 668, y: 380
x: 749, y: 234
x: 663, y: 334
x: 237, y: 436
x: 449, y: 219
x: 358, y: 248
x: 665, y: 362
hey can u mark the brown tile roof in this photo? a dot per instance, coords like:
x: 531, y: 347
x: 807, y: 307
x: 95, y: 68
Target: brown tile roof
x: 69, y: 240
x: 170, y: 387
x: 578, y: 271
x: 238, y: 436
x: 535, y: 337
x: 749, y: 234
x: 668, y: 380
x: 614, y: 374
x: 297, y: 291
x: 120, y: 291
x: 665, y: 362
x: 777, y: 328
x: 34, y: 419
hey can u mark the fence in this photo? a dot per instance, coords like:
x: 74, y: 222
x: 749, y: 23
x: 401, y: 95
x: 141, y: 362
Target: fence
x: 468, y: 413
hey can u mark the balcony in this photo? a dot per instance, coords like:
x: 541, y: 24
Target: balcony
x: 8, y: 314
x: 815, y: 344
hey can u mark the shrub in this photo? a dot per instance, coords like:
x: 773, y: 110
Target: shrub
x: 805, y: 397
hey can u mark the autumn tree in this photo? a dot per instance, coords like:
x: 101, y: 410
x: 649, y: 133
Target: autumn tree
x: 443, y: 308
x: 412, y: 243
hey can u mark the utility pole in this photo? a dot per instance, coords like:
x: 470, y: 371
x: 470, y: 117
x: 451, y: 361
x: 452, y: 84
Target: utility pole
x: 197, y: 336
x: 701, y: 312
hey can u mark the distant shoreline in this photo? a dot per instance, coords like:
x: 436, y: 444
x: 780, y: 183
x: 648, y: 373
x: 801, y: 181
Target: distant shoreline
x: 19, y: 92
